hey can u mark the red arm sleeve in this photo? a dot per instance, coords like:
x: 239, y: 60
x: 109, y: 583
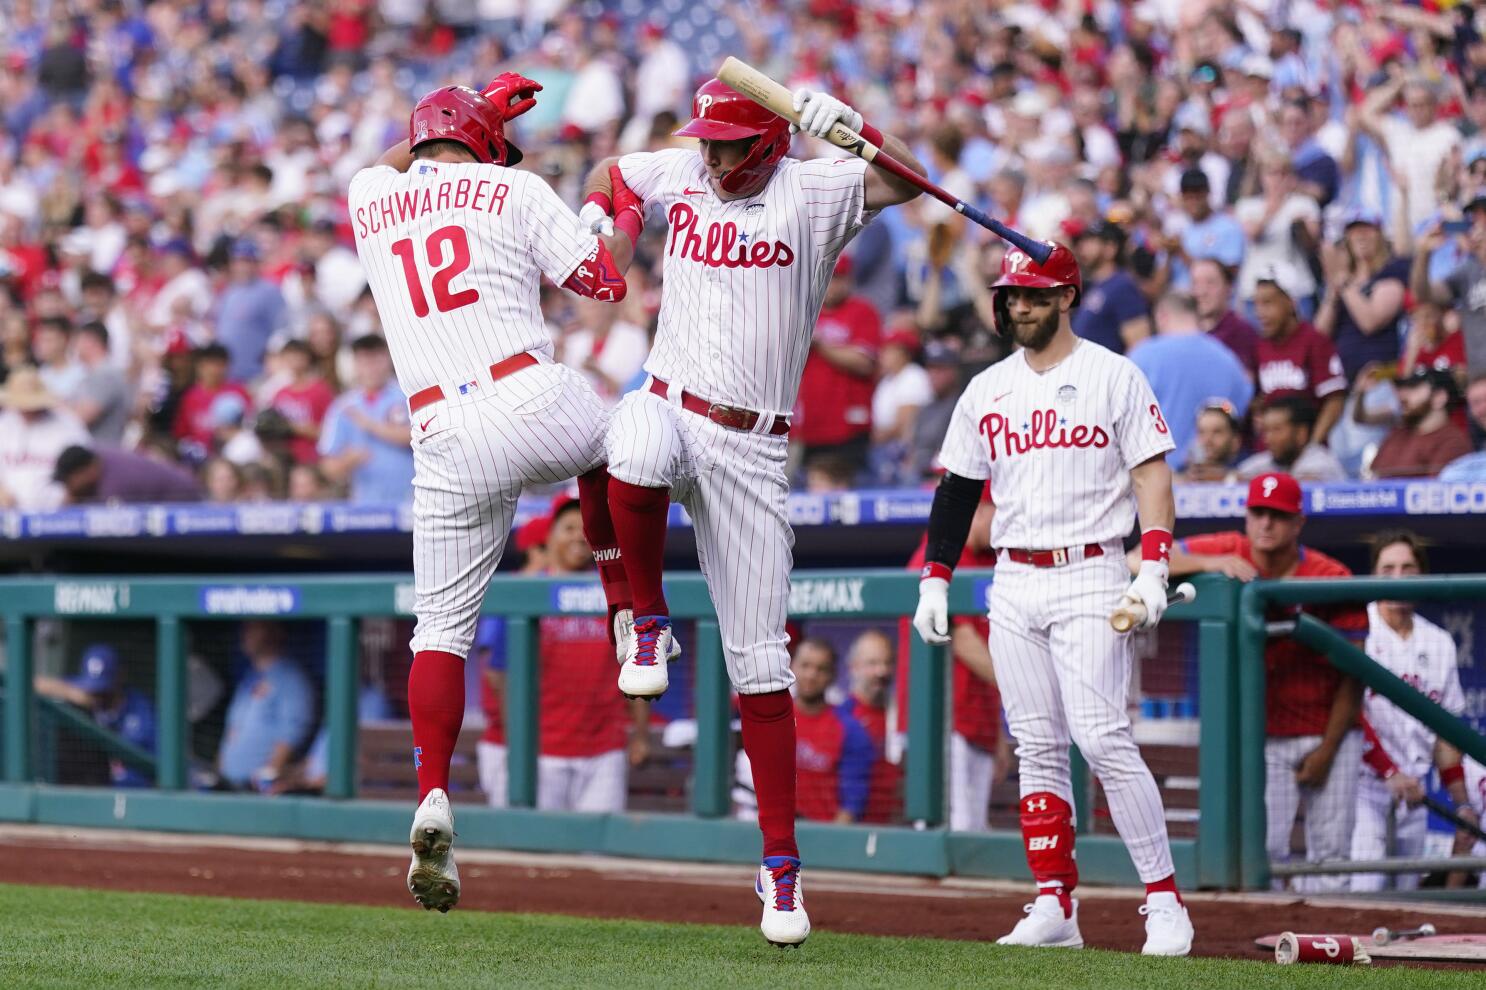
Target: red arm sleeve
x: 1211, y: 543
x: 1374, y: 755
x: 598, y: 277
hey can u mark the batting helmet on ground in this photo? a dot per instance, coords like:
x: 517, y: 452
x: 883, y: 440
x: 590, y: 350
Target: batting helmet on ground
x: 461, y: 115
x: 1019, y: 269
x: 721, y: 113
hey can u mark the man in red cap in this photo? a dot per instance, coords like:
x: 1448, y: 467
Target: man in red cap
x: 1313, y: 739
x: 834, y: 411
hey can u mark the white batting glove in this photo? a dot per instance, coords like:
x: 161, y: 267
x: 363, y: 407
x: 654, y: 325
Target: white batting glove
x: 593, y: 220
x: 932, y: 616
x: 819, y: 112
x: 1149, y: 589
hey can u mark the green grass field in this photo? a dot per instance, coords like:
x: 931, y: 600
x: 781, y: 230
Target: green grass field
x: 59, y: 937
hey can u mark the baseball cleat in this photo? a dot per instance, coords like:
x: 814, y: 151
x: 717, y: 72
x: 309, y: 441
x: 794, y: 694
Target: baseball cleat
x: 643, y: 675
x: 785, y: 923
x: 1168, y: 928
x: 1045, y: 925
x: 433, y: 879
x: 624, y: 632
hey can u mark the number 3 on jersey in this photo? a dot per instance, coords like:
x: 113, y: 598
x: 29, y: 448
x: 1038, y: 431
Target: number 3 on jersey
x: 1155, y: 411
x: 458, y: 242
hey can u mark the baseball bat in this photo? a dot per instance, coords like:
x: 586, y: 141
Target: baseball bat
x: 1126, y: 617
x: 1388, y: 936
x: 767, y: 93
x: 1450, y: 815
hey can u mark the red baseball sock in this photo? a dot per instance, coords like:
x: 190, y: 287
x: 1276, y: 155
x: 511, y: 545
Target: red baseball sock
x: 1047, y: 834
x: 1167, y: 885
x: 769, y: 741
x: 640, y: 523
x: 436, y: 706
x: 598, y: 528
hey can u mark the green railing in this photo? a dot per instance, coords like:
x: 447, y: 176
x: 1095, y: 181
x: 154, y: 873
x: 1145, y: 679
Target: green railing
x: 1210, y: 860
x: 1253, y: 633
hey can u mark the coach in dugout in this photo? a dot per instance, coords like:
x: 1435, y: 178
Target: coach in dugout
x: 834, y: 753
x: 1313, y: 739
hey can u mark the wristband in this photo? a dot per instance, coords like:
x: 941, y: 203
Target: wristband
x: 1155, y: 544
x: 871, y: 134
x: 1452, y: 775
x: 630, y: 222
x: 604, y: 201
x: 934, y: 569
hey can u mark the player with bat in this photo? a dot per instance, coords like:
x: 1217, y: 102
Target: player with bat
x: 1073, y: 443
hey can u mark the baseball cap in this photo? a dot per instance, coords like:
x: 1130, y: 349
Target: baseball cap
x: 99, y: 670
x: 1477, y: 201
x: 246, y: 249
x: 227, y: 409
x: 1257, y: 66
x: 1362, y: 214
x: 1422, y: 374
x: 533, y: 533
x: 1281, y: 279
x: 940, y: 353
x: 843, y: 266
x: 904, y: 338
x: 1194, y: 118
x: 1194, y: 180
x: 1278, y: 491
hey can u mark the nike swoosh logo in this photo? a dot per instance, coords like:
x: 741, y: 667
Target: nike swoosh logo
x: 1002, y: 396
x: 424, y: 425
x: 689, y: 191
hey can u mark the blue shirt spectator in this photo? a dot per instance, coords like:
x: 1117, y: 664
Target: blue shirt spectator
x: 365, y: 439
x: 1187, y: 369
x: 1470, y: 468
x: 1208, y: 233
x: 250, y: 311
x: 1112, y: 311
x: 127, y: 713
x: 272, y: 711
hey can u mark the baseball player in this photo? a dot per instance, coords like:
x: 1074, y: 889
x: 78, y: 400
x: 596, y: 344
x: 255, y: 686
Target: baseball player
x: 1401, y: 749
x: 1073, y: 442
x: 454, y: 242
x: 753, y: 239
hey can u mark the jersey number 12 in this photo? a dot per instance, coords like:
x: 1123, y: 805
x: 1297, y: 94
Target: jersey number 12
x: 457, y: 241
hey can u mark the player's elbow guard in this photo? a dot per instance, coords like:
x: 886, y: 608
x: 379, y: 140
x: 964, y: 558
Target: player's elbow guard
x: 598, y: 277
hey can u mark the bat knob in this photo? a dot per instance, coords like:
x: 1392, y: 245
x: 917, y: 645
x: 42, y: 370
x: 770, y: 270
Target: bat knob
x: 1380, y: 936
x: 1426, y: 929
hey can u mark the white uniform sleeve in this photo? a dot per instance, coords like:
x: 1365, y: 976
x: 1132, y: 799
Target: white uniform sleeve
x: 963, y: 453
x: 834, y: 192
x: 361, y: 181
x: 645, y: 172
x: 1140, y: 426
x: 552, y: 234
x: 1452, y: 698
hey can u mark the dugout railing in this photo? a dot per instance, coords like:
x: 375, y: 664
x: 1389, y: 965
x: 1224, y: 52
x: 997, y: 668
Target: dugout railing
x: 1209, y: 859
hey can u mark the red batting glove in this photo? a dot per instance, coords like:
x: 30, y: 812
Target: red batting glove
x: 512, y: 93
x: 629, y: 211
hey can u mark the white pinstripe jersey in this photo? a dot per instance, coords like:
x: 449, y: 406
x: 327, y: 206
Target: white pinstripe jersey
x: 1058, y: 446
x: 1427, y: 662
x: 454, y: 254
x: 744, y: 279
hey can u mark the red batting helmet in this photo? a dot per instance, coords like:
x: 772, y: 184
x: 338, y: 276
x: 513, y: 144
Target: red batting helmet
x: 721, y: 113
x: 461, y: 115
x: 1018, y: 268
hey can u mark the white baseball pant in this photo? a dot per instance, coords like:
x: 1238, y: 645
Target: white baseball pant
x: 472, y: 456
x: 1370, y: 834
x: 1065, y: 677
x: 596, y: 784
x: 734, y: 487
x: 1329, y: 809
x: 490, y: 758
x: 970, y: 772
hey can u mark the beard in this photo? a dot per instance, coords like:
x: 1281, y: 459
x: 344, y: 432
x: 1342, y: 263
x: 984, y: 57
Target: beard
x: 1413, y: 416
x: 1035, y: 336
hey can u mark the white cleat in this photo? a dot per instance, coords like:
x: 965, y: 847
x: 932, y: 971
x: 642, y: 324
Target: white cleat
x: 1168, y: 928
x: 433, y: 878
x: 1045, y: 925
x: 648, y: 649
x: 785, y: 923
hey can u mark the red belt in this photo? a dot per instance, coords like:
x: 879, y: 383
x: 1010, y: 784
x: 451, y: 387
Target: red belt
x: 499, y: 370
x: 730, y: 416
x: 1051, y: 558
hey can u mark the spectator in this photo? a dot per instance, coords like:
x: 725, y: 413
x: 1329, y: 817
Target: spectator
x: 365, y: 442
x: 608, y: 350
x: 194, y: 427
x: 1287, y: 426
x: 1416, y: 144
x: 1465, y: 286
x: 303, y: 401
x: 1313, y: 742
x: 249, y: 311
x: 1187, y: 368
x: 1212, y: 288
x: 1365, y: 287
x: 834, y: 752
x: 307, y: 483
x: 1391, y: 820
x: 34, y: 430
x: 1112, y: 310
x: 1433, y: 344
x: 110, y: 475
x: 902, y: 391
x: 271, y: 715
x: 1426, y: 440
x: 60, y: 372
x: 1215, y: 451
x: 835, y: 403
x: 230, y: 433
x: 223, y: 481
x: 1317, y: 172
x: 103, y: 401
x: 869, y: 667
x: 829, y: 473
x: 1472, y: 467
x: 943, y: 367
x: 1282, y: 226
x: 488, y: 655
x: 185, y: 295
x: 1202, y: 232
x: 1293, y: 358
x: 99, y: 690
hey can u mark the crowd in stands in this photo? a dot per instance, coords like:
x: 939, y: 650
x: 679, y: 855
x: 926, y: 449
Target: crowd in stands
x: 1303, y: 183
